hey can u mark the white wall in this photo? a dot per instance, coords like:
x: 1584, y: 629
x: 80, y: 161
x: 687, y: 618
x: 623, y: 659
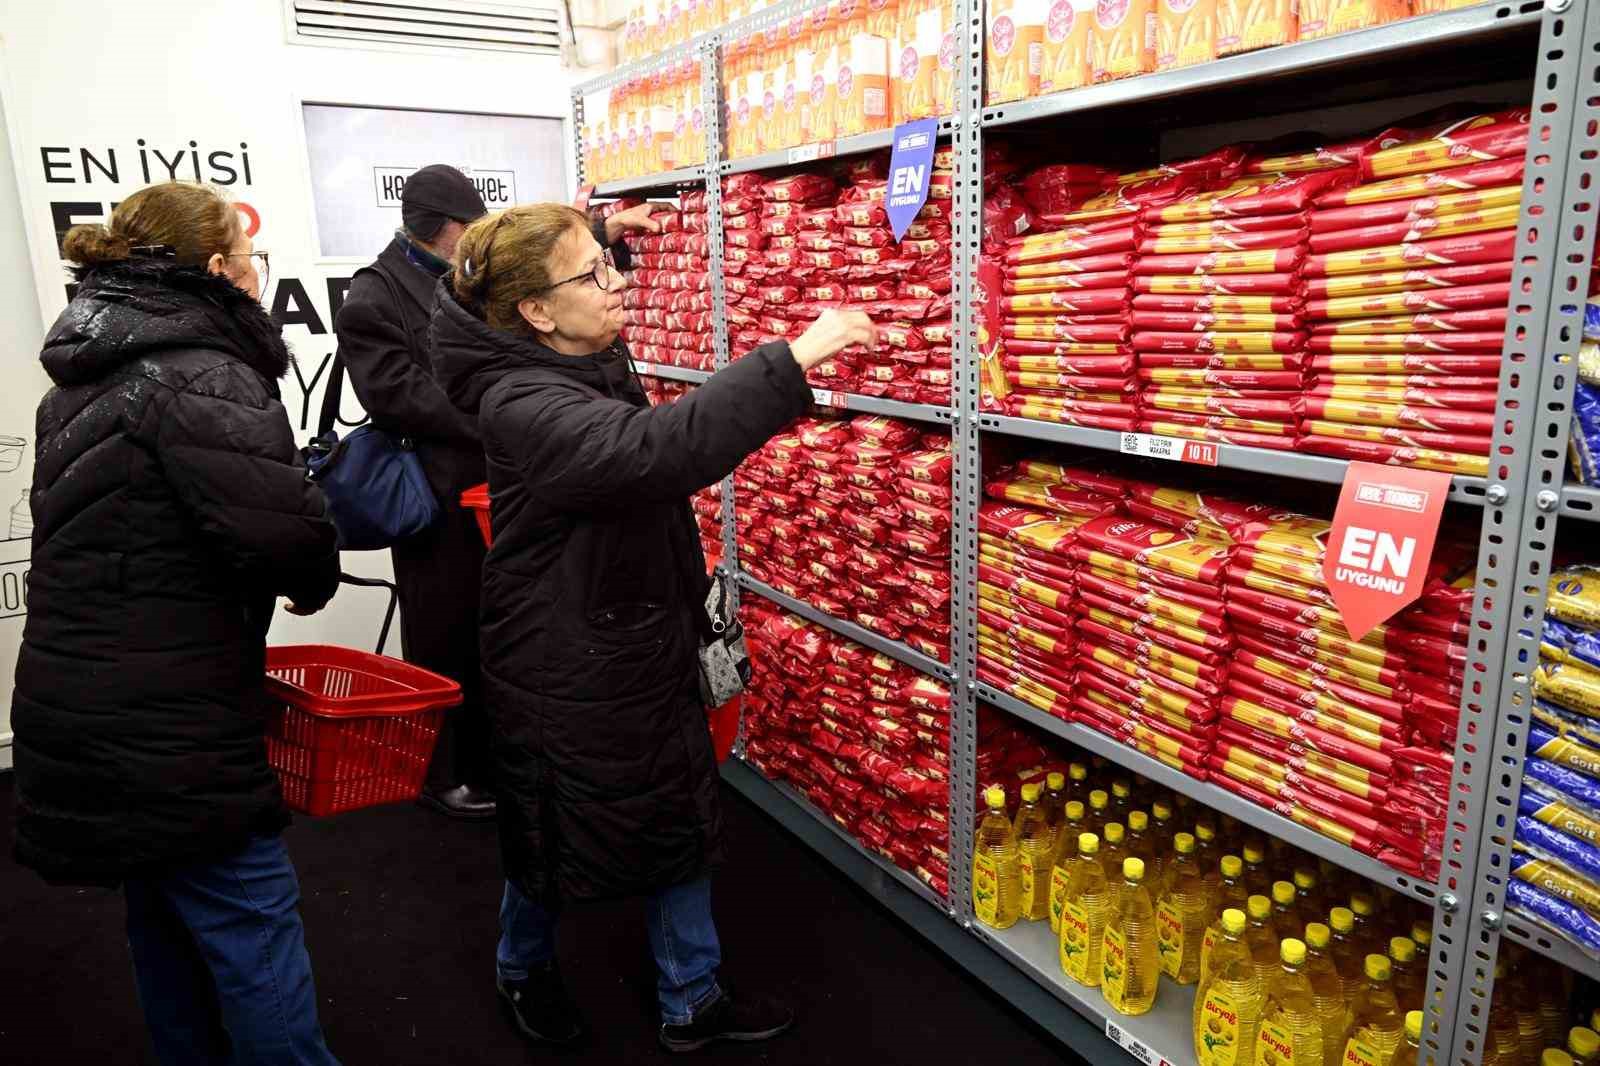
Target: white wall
x: 104, y: 75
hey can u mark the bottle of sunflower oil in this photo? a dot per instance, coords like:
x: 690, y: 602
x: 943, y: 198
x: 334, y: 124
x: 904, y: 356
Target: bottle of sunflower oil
x: 1256, y: 878
x: 1376, y: 1024
x: 1291, y: 1028
x: 1261, y: 940
x: 1066, y: 855
x: 1328, y: 991
x: 1162, y: 827
x: 1141, y: 845
x: 1411, y: 1047
x: 1099, y: 810
x: 1365, y: 910
x: 1121, y: 800
x: 1181, y: 915
x: 1230, y: 893
x: 1406, y: 976
x: 1286, y: 920
x: 1113, y: 849
x: 1583, y: 1044
x: 1308, y: 893
x: 1078, y: 782
x: 1083, y: 914
x: 1130, y: 967
x: 1209, y: 856
x: 996, y: 866
x: 1035, y: 845
x: 1054, y: 800
x: 1227, y: 1005
x: 1347, y: 958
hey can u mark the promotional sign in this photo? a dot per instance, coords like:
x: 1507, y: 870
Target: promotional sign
x: 1382, y: 541
x: 910, y: 164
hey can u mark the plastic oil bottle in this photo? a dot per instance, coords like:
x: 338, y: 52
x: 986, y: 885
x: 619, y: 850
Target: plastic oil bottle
x: 1181, y: 915
x: 1035, y: 848
x: 1411, y: 1047
x: 1054, y: 800
x: 1406, y: 977
x: 1553, y: 982
x: 1364, y: 910
x: 1066, y: 855
x: 1504, y: 1045
x: 1258, y: 937
x: 1583, y: 1044
x: 1256, y: 878
x: 1209, y: 856
x: 1230, y: 893
x: 1526, y: 996
x: 1286, y: 920
x: 1121, y: 800
x: 1113, y: 849
x: 1083, y: 914
x: 1291, y: 1029
x: 1141, y: 845
x: 1327, y: 990
x: 1078, y: 782
x: 1099, y: 810
x: 1308, y: 893
x: 1347, y: 957
x: 996, y: 866
x: 1130, y: 959
x: 1227, y: 1005
x: 1376, y: 1024
x: 1162, y: 827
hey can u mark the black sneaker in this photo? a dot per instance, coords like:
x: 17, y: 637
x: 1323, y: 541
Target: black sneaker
x: 744, y: 1020
x: 540, y: 1009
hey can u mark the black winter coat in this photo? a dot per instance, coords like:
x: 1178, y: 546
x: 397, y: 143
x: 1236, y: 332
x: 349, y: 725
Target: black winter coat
x: 170, y: 508
x: 592, y: 593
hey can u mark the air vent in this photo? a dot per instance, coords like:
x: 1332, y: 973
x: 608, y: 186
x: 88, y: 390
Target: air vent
x: 508, y: 26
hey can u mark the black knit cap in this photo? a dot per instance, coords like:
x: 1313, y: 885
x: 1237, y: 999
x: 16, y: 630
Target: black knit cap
x: 436, y: 194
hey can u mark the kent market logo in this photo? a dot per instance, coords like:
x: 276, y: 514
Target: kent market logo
x: 497, y: 187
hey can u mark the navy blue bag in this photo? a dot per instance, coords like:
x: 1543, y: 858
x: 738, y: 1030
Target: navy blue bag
x: 377, y: 492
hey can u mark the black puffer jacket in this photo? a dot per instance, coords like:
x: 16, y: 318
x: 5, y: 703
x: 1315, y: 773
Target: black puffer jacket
x: 170, y: 508
x: 606, y: 777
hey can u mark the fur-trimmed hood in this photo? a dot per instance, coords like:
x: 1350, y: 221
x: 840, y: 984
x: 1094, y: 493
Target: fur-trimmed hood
x: 143, y: 307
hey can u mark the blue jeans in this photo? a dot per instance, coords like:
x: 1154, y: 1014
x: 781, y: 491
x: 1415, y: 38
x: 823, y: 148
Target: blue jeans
x: 219, y: 957
x: 682, y: 937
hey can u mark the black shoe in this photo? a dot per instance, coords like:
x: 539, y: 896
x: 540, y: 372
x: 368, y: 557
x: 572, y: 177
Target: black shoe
x: 744, y: 1020
x: 540, y: 1009
x: 463, y: 801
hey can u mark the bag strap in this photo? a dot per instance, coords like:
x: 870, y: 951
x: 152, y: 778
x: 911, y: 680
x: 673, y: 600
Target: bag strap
x: 333, y: 395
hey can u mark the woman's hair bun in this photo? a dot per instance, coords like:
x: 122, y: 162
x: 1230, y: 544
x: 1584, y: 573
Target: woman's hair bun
x: 93, y: 245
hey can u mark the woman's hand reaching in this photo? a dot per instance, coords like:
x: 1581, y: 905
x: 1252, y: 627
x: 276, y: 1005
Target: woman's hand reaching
x: 634, y: 218
x: 832, y: 333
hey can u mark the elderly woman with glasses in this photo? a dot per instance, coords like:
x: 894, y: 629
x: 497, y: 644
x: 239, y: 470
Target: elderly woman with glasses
x: 593, y: 606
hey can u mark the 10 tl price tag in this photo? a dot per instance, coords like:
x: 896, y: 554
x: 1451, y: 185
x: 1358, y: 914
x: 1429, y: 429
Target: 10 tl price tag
x: 1381, y: 542
x: 1174, y: 448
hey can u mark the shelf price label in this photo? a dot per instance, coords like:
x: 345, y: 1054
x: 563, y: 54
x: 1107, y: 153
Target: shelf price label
x: 822, y: 397
x: 1382, y: 541
x: 1133, y: 1045
x: 810, y: 153
x: 1175, y: 448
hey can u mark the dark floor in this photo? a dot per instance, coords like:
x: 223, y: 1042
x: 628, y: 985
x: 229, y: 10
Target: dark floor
x: 400, y: 911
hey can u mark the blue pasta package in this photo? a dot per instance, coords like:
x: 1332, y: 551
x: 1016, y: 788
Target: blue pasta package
x: 1573, y: 921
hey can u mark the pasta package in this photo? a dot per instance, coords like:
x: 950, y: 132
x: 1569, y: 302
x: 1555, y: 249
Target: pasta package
x: 1245, y: 25
x: 915, y: 68
x: 1123, y: 40
x: 1574, y: 596
x: 1016, y: 50
x: 1186, y: 33
x: 1323, y: 18
x: 1065, y: 62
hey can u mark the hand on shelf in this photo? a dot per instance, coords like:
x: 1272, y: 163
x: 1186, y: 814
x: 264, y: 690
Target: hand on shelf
x: 634, y: 218
x: 830, y: 334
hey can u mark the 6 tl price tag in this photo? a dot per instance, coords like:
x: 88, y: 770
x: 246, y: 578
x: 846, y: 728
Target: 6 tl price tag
x: 1174, y: 448
x: 1382, y: 541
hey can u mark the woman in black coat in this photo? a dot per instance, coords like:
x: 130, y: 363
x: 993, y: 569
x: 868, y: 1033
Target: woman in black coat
x: 170, y: 510
x: 593, y: 601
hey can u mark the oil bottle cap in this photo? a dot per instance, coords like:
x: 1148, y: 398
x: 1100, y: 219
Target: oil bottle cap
x: 1254, y: 855
x: 1341, y: 919
x: 1113, y: 832
x: 1361, y: 904
x: 995, y: 797
x: 1378, y: 967
x: 1133, y: 869
x: 1554, y: 1056
x: 1304, y: 880
x: 1078, y: 771
x: 1074, y: 809
x: 1402, y: 948
x: 1585, y: 1043
x: 1422, y: 932
x: 1258, y: 906
x: 1292, y: 951
x: 1088, y: 844
x: 1204, y: 833
x: 1030, y: 792
x: 1414, y: 1025
x: 1121, y: 789
x: 1161, y: 810
x: 1138, y: 821
x: 1233, y: 921
x: 1317, y: 935
x: 1183, y: 843
x: 1056, y: 780
x: 1282, y: 892
x: 1098, y: 799
x: 1232, y: 866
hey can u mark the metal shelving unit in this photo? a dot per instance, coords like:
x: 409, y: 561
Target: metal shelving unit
x: 1521, y: 500
x: 671, y: 373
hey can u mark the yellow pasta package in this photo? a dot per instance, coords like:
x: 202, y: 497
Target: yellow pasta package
x: 1186, y: 33
x: 825, y: 86
x: 1245, y: 25
x: 1123, y: 41
x: 863, y: 85
x: 797, y: 97
x: 944, y: 72
x: 916, y: 62
x: 1066, y: 45
x: 1322, y: 18
x: 1016, y: 50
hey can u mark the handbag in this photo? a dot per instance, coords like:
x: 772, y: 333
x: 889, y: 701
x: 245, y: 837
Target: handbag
x: 724, y: 658
x: 376, y: 490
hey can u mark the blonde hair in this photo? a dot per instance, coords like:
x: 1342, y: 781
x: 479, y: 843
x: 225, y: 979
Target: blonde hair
x: 196, y: 221
x: 504, y: 258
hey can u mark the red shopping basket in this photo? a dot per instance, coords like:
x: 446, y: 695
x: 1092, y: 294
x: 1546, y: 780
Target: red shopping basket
x: 348, y: 729
x: 477, y: 501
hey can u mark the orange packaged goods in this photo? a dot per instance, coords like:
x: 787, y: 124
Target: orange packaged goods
x: 863, y: 85
x: 1245, y: 25
x: 916, y: 61
x: 1186, y: 32
x: 1016, y: 49
x: 1065, y: 62
x: 1123, y: 41
x: 1323, y: 18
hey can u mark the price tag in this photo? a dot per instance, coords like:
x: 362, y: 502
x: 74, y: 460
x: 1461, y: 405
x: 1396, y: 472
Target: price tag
x: 822, y: 397
x: 1133, y: 1045
x: 1175, y: 448
x: 806, y: 153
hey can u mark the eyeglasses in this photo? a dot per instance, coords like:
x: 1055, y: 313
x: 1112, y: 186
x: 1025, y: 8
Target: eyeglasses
x: 260, y: 261
x: 601, y: 273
